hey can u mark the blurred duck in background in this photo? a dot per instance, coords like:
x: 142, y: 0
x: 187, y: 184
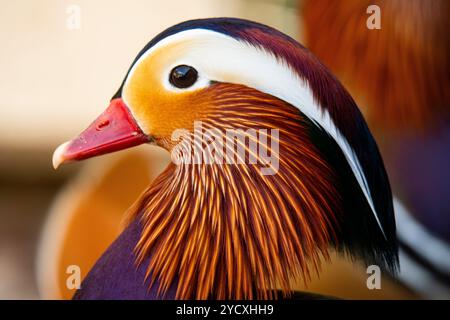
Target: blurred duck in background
x: 399, y: 76
x: 331, y: 183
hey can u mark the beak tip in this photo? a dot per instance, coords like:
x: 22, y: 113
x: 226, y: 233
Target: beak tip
x: 115, y: 129
x: 58, y: 156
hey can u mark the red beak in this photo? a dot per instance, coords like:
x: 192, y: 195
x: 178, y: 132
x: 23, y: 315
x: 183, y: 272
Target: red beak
x: 115, y: 129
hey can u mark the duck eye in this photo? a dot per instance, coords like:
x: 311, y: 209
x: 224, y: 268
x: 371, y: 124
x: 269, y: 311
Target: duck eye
x: 183, y: 76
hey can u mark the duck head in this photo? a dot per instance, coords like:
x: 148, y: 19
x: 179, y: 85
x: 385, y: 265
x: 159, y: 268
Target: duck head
x: 227, y: 229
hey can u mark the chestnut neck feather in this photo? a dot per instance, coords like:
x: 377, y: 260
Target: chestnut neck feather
x: 224, y: 231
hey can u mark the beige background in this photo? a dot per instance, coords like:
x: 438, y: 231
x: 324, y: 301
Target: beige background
x: 55, y: 80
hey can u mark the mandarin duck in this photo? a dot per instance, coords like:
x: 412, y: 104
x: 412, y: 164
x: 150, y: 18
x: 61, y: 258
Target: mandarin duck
x: 230, y: 229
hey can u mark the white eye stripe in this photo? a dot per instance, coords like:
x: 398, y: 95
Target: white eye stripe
x: 218, y: 57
